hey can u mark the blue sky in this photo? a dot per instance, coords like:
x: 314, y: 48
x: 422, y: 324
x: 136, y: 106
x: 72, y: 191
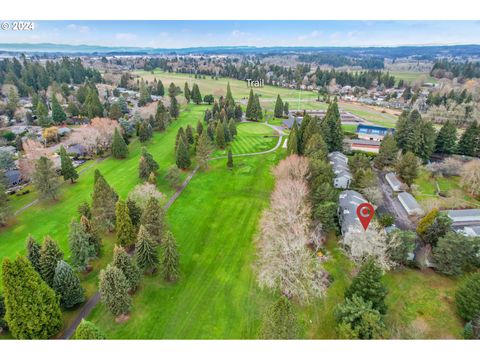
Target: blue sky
x: 178, y: 34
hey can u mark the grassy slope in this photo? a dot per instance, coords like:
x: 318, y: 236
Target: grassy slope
x: 54, y: 218
x: 214, y: 222
x: 412, y: 76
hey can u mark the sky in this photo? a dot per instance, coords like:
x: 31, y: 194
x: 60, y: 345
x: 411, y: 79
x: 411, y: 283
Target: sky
x: 180, y: 34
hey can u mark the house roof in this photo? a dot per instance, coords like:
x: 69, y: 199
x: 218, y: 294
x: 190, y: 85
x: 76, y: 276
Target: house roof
x: 339, y: 163
x: 348, y: 201
x: 464, y: 215
x: 409, y: 201
x: 373, y: 130
x: 393, y: 179
x: 13, y: 177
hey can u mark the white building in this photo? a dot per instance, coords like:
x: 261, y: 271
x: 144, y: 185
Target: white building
x: 394, y: 182
x: 409, y: 203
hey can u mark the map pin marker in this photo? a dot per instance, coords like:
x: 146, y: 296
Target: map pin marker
x: 365, y: 213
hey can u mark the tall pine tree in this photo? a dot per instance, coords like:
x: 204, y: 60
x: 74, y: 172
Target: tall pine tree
x: 50, y: 255
x: 170, y: 258
x: 145, y: 251
x: 67, y: 284
x: 113, y: 289
x: 119, y: 147
x: 68, y: 171
x: 124, y: 227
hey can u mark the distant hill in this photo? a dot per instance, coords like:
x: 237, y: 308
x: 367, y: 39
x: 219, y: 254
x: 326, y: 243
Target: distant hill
x: 419, y: 52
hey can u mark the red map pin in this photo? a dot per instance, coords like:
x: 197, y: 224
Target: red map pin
x: 365, y: 213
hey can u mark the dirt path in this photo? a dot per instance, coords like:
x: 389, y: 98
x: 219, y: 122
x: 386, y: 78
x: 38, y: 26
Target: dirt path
x: 93, y: 301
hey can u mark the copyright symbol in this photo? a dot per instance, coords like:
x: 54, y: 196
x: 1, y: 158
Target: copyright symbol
x: 5, y: 26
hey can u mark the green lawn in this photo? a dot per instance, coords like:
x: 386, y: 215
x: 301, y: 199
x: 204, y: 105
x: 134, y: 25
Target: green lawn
x: 214, y: 221
x: 412, y: 76
x: 54, y: 218
x: 251, y: 137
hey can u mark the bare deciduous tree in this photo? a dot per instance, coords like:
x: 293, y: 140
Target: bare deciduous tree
x: 143, y: 192
x: 285, y: 261
x: 471, y: 176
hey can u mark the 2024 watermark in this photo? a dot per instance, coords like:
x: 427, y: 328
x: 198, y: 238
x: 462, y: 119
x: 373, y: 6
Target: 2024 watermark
x: 17, y: 25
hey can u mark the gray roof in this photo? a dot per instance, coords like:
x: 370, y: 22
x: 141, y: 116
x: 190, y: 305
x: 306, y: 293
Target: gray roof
x: 339, y: 165
x: 409, y: 201
x: 393, y: 179
x: 464, y: 215
x: 13, y: 177
x: 348, y: 202
x: 8, y: 148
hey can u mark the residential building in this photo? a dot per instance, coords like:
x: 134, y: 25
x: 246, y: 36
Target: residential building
x: 410, y: 205
x: 369, y: 138
x: 348, y: 201
x: 465, y: 221
x: 394, y: 182
x: 339, y: 163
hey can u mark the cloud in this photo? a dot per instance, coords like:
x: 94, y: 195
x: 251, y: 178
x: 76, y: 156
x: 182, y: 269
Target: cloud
x: 125, y: 36
x: 312, y: 35
x: 238, y: 33
x: 79, y: 28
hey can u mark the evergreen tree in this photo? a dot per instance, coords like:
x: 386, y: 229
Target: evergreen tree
x: 58, y: 115
x: 50, y: 255
x: 280, y: 321
x: 407, y: 168
x: 229, y: 101
x: 145, y: 251
x: 186, y: 92
x: 153, y: 220
x: 278, y: 111
x: 226, y: 131
x: 456, y: 254
x: 258, y: 108
x: 332, y: 128
x: 129, y: 268
x: 204, y: 149
x: 81, y: 248
x: 357, y: 319
x: 84, y: 210
x: 220, y: 136
x: 232, y: 128
x: 45, y: 179
x: 285, y: 108
x: 67, y: 284
x: 145, y: 131
x: 368, y: 285
x: 189, y: 134
x: 113, y: 289
x: 316, y: 147
x: 199, y: 128
x: 161, y: 117
x: 469, y: 143
x: 104, y: 199
x: 93, y: 107
x: 32, y: 308
x: 170, y: 258
x: 125, y: 229
x: 147, y: 165
x: 426, y: 222
x: 68, y: 171
x: 467, y: 297
x: 251, y: 112
x: 160, y: 88
x: 182, y: 156
x: 230, y: 159
x: 93, y: 237
x: 387, y: 154
x: 86, y: 330
x: 33, y: 253
x: 446, y: 139
x: 42, y: 114
x: 119, y: 147
x: 292, y: 142
x: 196, y: 95
x: 115, y: 111
x: 135, y: 213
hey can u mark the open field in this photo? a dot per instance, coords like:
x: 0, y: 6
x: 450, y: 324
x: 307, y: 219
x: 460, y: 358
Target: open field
x: 54, y: 218
x: 297, y: 99
x: 214, y: 222
x: 412, y: 76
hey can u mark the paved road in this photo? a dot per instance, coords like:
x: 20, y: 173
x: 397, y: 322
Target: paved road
x: 93, y: 301
x: 393, y: 206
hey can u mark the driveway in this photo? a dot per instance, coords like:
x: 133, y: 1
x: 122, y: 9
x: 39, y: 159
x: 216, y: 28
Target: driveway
x: 393, y: 206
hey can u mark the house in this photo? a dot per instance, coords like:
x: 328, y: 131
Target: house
x: 8, y: 149
x: 348, y: 201
x: 372, y: 132
x: 77, y: 150
x: 339, y: 163
x: 14, y: 178
x: 64, y: 131
x: 465, y: 221
x: 409, y: 203
x: 369, y: 138
x: 394, y: 182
